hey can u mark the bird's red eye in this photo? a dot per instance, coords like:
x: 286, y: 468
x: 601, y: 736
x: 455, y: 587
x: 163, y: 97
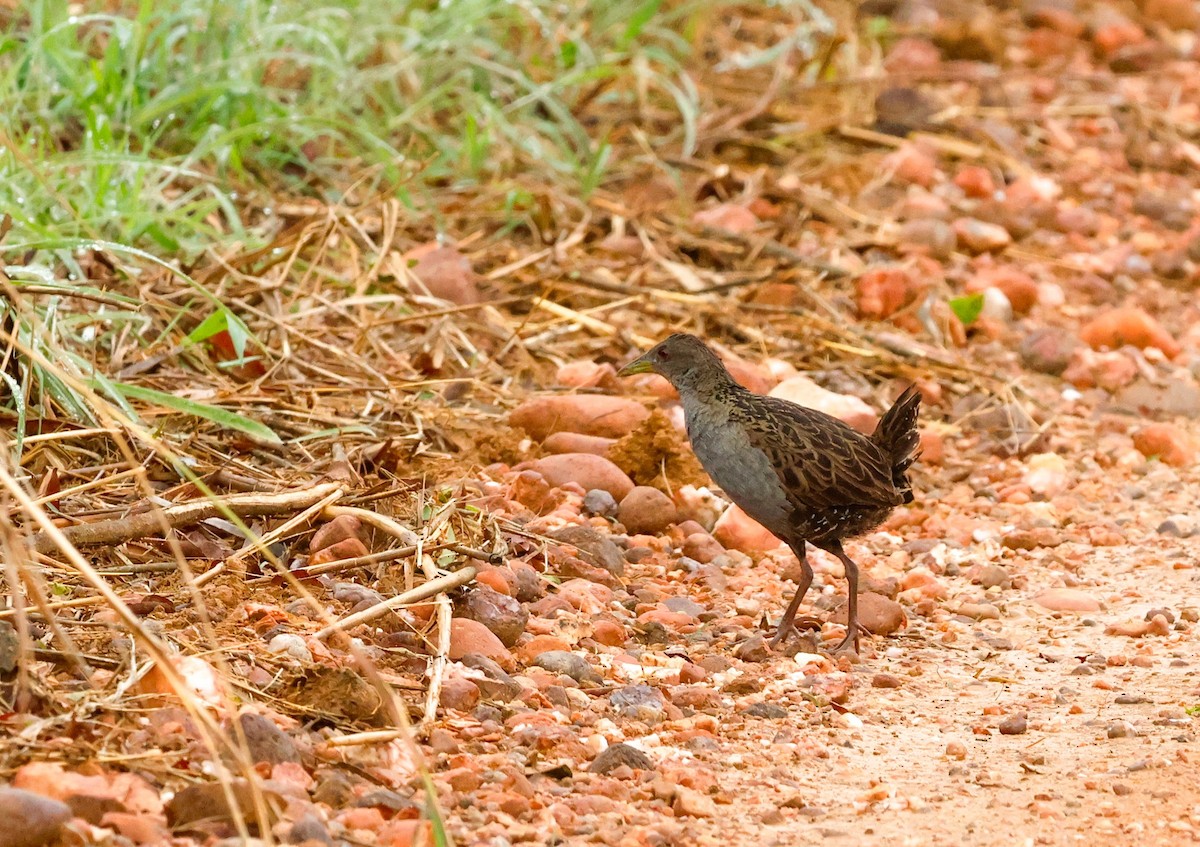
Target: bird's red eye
x: 664, y: 355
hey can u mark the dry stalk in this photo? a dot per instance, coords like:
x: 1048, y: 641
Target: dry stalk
x: 120, y: 530
x: 279, y: 532
x: 424, y: 591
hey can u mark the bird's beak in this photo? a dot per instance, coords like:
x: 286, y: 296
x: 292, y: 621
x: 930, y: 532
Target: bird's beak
x: 640, y: 365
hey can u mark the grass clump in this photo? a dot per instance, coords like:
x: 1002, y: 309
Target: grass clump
x: 171, y: 125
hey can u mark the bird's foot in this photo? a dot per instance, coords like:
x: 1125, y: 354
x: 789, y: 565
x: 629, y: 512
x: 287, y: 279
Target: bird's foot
x: 784, y: 632
x: 851, y: 639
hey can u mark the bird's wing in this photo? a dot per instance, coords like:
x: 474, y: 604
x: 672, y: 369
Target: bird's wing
x: 822, y: 463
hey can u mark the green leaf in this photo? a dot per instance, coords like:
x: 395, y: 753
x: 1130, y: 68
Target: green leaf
x: 223, y: 320
x: 637, y: 22
x: 968, y: 308
x: 223, y: 417
x: 568, y: 54
x: 210, y: 326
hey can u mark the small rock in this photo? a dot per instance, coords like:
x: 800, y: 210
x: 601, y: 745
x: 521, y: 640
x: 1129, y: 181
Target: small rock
x: 976, y: 182
x: 599, y: 502
x: 496, y: 684
x: 531, y: 490
x: 753, y: 649
x: 976, y: 236
x: 901, y: 109
x: 266, y: 742
x: 639, y: 702
x: 911, y: 163
x: 925, y: 235
x: 608, y: 633
x: 1067, y: 600
x: 338, y: 529
x: 586, y: 469
x: 1157, y: 625
x: 290, y: 645
x: 470, y: 636
x: 594, y: 548
x: 458, y: 694
x: 647, y: 511
x: 956, y: 750
x: 731, y: 217
x: 1017, y: 286
x: 31, y: 819
x: 1110, y: 369
x: 996, y: 307
x: 1165, y: 442
x: 500, y: 579
x: 881, y: 292
x: 700, y: 505
x: 992, y: 576
x: 347, y: 548
x: 577, y: 442
x: 588, y: 414
x: 444, y: 272
x: 1120, y: 729
x: 886, y: 680
x: 1048, y: 350
x: 503, y: 615
x: 1046, y: 474
x: 876, y: 613
x: 1014, y: 725
x: 568, y: 664
x: 587, y: 374
x: 691, y: 803
x: 770, y: 711
x: 309, y: 828
x: 979, y: 611
x: 735, y: 530
x: 1166, y: 613
x: 702, y: 547
x: 615, y: 755
x: 1128, y: 325
x: 848, y: 409
x: 207, y: 801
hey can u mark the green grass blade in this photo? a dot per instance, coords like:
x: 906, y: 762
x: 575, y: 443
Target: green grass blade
x: 222, y: 417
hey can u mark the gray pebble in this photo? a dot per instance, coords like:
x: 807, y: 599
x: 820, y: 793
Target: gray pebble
x: 599, y: 502
x: 567, y: 664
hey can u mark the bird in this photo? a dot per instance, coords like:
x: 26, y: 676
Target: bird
x: 804, y: 475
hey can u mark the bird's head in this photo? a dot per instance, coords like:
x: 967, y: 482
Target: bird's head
x: 683, y: 359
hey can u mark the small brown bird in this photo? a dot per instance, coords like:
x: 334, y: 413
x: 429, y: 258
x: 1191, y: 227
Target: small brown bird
x: 802, y: 474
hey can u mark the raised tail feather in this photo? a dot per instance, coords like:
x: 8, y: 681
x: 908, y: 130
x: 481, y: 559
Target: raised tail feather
x: 897, y: 435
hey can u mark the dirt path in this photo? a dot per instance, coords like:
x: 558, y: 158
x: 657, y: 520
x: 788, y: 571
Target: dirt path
x: 1106, y: 758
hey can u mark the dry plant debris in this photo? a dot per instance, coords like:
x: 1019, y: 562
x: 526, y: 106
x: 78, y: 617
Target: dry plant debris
x: 434, y: 565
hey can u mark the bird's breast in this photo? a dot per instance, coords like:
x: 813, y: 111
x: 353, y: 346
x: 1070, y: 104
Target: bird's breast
x: 741, y: 470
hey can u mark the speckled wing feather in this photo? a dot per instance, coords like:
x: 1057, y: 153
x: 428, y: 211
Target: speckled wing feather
x: 822, y: 463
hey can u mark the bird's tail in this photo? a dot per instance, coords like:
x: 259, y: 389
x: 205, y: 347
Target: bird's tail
x: 897, y: 436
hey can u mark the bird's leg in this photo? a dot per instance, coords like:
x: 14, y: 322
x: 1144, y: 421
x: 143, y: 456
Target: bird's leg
x: 852, y: 626
x: 787, y: 624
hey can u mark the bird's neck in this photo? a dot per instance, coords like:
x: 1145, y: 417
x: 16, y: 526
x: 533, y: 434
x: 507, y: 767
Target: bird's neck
x: 703, y: 387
